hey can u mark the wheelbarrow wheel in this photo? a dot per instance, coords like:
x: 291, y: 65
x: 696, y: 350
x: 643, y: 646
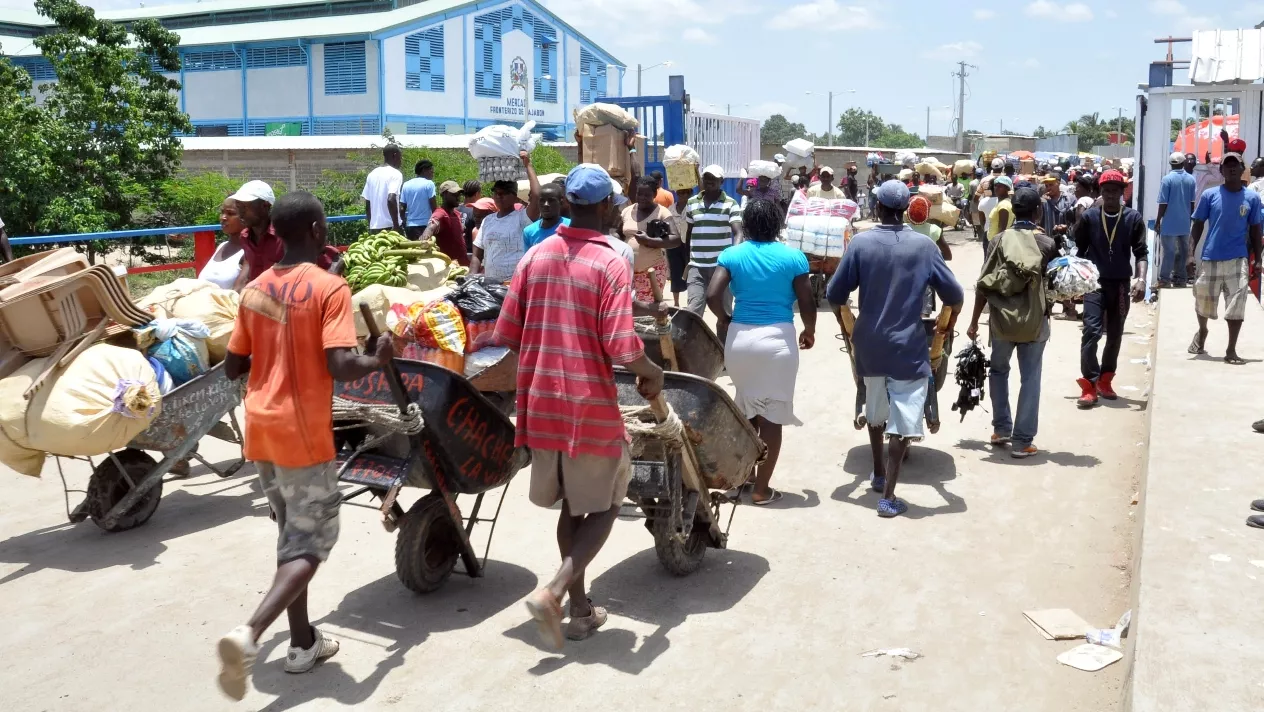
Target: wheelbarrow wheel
x: 679, y: 558
x: 108, y: 486
x: 428, y: 545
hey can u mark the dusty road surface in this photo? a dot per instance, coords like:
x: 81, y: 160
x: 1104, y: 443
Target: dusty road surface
x: 779, y: 621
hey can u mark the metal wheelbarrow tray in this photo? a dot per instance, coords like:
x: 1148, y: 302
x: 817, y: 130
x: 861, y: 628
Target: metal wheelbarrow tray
x: 465, y: 447
x: 698, y: 350
x: 126, y: 486
x: 725, y: 448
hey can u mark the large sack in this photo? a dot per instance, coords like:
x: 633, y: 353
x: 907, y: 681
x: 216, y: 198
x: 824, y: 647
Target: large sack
x: 679, y: 154
x: 428, y: 273
x: 503, y: 141
x: 98, y: 403
x: 927, y: 168
x: 945, y: 214
x: 800, y: 147
x: 200, y: 300
x: 963, y: 167
x: 600, y: 114
x: 933, y: 193
x: 380, y: 297
x: 767, y: 169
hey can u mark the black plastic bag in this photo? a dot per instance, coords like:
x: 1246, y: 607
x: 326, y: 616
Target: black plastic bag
x: 478, y: 301
x: 971, y: 375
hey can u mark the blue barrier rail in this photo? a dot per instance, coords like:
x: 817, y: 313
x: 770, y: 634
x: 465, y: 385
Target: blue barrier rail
x: 149, y: 232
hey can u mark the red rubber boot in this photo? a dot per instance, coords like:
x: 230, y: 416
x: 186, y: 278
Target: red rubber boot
x: 1088, y: 393
x: 1104, y: 388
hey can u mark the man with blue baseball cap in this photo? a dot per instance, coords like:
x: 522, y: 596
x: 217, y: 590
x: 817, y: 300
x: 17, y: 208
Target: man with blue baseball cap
x: 568, y: 314
x: 891, y: 266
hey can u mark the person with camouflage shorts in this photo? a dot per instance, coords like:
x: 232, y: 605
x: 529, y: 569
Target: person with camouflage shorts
x: 294, y: 337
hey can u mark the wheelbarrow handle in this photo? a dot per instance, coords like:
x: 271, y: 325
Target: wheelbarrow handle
x: 393, y: 379
x: 665, y: 343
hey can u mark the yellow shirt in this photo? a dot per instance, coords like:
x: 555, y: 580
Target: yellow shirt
x: 834, y: 193
x: 994, y: 219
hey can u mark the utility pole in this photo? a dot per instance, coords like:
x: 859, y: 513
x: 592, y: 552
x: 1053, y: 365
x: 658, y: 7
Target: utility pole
x: 961, y: 75
x: 928, y: 125
x: 829, y: 123
x: 638, y: 78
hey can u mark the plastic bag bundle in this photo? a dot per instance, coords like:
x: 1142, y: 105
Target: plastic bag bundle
x: 1072, y: 277
x: 436, y: 325
x: 499, y: 140
x: 818, y: 226
x: 680, y: 153
x: 179, y: 345
x: 971, y: 375
x: 873, y: 158
x: 800, y: 147
x: 601, y: 114
x: 201, y: 300
x: 474, y: 330
x: 478, y: 301
x: 908, y: 159
x: 766, y: 169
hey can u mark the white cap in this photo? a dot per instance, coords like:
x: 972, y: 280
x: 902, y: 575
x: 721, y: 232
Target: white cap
x: 998, y: 163
x: 779, y: 158
x: 713, y: 170
x: 1176, y: 157
x: 255, y: 190
x: 825, y: 169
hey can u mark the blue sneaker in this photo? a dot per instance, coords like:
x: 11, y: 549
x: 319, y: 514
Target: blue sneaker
x: 877, y: 483
x: 888, y: 508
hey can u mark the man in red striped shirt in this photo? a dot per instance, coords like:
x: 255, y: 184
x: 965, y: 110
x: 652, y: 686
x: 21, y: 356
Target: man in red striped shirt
x: 568, y: 314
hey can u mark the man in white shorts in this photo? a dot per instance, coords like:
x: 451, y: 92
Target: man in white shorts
x: 891, y: 266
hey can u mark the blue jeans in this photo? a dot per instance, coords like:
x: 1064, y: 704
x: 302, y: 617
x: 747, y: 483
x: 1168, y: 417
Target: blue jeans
x: 1175, y: 255
x: 1030, y: 359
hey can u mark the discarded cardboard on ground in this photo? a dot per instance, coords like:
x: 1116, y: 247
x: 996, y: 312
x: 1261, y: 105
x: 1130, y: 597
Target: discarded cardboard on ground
x: 1058, y: 623
x: 1089, y: 657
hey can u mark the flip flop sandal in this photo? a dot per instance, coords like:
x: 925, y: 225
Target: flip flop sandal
x: 774, y: 497
x: 1194, y: 348
x: 1235, y: 361
x: 1256, y: 521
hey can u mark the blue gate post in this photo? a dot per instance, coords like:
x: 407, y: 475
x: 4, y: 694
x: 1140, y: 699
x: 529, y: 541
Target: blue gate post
x: 659, y: 116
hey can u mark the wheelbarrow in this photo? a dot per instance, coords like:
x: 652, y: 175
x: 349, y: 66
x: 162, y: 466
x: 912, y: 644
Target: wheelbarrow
x: 465, y: 447
x: 698, y: 350
x: 126, y: 485
x: 680, y: 490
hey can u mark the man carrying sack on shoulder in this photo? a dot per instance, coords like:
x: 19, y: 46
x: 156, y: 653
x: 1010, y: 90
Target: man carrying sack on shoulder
x: 1013, y: 284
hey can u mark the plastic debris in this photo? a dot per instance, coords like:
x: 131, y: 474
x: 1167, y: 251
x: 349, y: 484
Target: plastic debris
x: 892, y: 653
x: 1089, y: 657
x: 1111, y: 636
x: 1058, y: 623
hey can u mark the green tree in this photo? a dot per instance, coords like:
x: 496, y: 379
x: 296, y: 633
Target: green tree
x: 100, y: 143
x: 778, y: 130
x: 1042, y: 132
x: 894, y: 136
x: 857, y: 125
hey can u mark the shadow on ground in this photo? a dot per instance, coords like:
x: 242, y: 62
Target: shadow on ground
x: 924, y: 466
x: 385, y: 609
x: 639, y: 588
x: 1000, y: 455
x: 83, y: 547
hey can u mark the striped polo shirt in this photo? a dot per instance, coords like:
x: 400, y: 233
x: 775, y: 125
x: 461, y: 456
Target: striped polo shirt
x: 712, y: 228
x: 568, y: 314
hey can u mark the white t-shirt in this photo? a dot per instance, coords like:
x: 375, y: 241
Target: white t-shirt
x: 502, y: 244
x: 623, y: 248
x: 988, y: 204
x: 382, y: 183
x: 1086, y: 202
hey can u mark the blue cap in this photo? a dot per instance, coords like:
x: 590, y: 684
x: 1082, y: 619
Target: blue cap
x: 587, y: 184
x: 894, y: 195
x: 1005, y: 181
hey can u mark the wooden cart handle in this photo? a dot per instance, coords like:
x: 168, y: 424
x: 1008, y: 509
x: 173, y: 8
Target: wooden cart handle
x: 393, y: 379
x: 665, y: 342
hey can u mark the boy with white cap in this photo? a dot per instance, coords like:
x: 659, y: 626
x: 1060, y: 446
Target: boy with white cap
x: 1173, y: 223
x: 713, y: 219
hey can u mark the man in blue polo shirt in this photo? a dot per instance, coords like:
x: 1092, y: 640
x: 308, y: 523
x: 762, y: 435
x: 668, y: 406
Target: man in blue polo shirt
x: 891, y: 267
x: 417, y: 200
x: 1232, y: 216
x: 1173, y: 223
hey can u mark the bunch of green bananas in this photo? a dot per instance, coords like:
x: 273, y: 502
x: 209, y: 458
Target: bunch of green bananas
x: 383, y: 258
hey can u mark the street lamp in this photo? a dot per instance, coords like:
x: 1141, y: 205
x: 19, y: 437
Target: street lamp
x: 728, y: 108
x: 640, y: 69
x: 829, y: 124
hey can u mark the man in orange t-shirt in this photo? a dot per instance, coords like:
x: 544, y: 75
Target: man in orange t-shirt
x: 294, y: 336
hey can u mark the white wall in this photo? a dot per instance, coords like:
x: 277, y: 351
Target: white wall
x: 213, y: 95
x: 344, y: 104
x: 509, y: 107
x: 277, y: 91
x: 408, y: 102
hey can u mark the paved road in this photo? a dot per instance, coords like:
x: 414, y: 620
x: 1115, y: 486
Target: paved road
x: 778, y: 621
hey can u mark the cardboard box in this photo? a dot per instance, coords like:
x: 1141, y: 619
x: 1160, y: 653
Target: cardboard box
x: 607, y: 147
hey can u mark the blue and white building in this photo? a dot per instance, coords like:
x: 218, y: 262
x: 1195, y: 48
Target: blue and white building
x: 335, y: 67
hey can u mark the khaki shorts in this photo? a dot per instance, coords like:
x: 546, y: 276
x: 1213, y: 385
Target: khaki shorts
x: 305, y: 501
x: 588, y: 483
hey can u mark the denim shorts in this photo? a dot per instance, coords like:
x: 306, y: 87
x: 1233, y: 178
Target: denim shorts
x: 897, y: 404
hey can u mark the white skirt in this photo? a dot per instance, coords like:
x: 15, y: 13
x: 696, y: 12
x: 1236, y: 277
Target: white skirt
x: 763, y: 362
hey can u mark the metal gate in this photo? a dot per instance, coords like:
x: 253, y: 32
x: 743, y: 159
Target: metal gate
x: 727, y: 141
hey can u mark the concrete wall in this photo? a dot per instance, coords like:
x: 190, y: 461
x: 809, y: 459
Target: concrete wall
x: 276, y: 92
x: 448, y: 103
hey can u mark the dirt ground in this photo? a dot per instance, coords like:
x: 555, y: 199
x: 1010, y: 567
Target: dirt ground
x: 777, y: 621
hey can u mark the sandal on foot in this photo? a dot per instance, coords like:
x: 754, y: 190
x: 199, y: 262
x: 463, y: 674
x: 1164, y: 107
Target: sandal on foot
x: 1195, y: 348
x: 1258, y: 505
x: 1255, y: 520
x: 546, y: 610
x: 893, y: 507
x: 774, y: 497
x: 1235, y: 360
x: 876, y: 483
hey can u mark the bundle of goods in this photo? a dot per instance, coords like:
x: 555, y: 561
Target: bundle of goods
x: 963, y: 167
x: 176, y: 348
x: 1072, y: 277
x: 430, y: 331
x: 380, y: 298
x: 98, y: 403
x: 819, y: 226
x: 942, y: 212
x: 496, y: 149
x: 764, y: 169
x: 477, y: 300
x: 200, y: 301
x: 927, y: 168
x: 1027, y: 166
x: 908, y: 159
x: 971, y: 375
x: 607, y: 134
x: 385, y: 257
x: 906, y: 175
x: 799, y: 152
x: 682, y: 164
x: 874, y: 158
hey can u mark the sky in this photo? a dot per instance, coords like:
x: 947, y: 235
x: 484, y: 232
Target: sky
x: 1038, y: 62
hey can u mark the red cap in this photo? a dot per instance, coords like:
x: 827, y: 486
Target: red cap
x: 1111, y: 176
x: 919, y: 209
x: 1237, y: 145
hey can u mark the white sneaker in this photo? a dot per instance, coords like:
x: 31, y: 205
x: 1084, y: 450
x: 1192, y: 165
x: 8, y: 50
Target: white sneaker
x: 299, y: 660
x: 237, y: 652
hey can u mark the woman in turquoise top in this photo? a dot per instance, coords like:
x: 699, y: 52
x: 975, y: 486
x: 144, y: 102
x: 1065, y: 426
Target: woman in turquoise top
x: 761, y: 351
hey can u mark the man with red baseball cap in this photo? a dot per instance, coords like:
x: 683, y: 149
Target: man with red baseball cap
x: 1232, y: 217
x: 1111, y: 235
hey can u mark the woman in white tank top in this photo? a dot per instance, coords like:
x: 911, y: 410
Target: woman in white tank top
x: 225, y: 264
